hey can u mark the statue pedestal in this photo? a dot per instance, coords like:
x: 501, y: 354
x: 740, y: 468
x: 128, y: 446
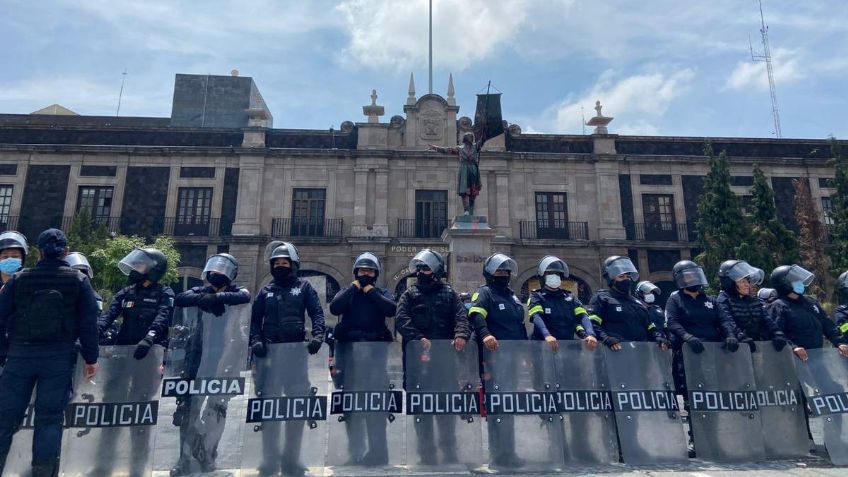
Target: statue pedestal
x: 469, y: 241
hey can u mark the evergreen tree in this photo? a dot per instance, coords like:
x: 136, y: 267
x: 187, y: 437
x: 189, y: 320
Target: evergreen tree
x: 812, y: 243
x: 85, y: 235
x: 723, y: 232
x: 772, y: 244
x: 838, y: 250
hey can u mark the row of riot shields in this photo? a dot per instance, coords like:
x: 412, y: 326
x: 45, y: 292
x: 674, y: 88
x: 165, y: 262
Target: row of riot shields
x: 201, y: 408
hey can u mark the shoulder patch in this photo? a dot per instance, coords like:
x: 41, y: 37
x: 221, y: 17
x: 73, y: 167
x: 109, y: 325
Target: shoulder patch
x: 475, y: 296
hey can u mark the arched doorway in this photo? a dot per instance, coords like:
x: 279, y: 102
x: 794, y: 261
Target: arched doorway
x: 576, y: 285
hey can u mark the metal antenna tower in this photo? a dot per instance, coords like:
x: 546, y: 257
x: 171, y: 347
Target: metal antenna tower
x: 121, y: 93
x: 765, y: 56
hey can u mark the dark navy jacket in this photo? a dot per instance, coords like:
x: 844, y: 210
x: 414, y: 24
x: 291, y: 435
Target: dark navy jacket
x: 559, y: 314
x: 697, y: 316
x: 157, y: 297
x: 362, y: 316
x: 297, y: 297
x: 496, y: 311
x: 621, y: 316
x: 804, y: 322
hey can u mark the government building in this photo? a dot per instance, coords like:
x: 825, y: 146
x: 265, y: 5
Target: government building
x: 217, y: 177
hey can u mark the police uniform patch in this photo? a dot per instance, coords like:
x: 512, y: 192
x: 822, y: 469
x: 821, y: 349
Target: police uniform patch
x: 547, y: 311
x: 270, y: 294
x: 816, y: 308
x: 295, y: 291
x: 709, y: 305
x: 501, y: 306
x: 618, y: 308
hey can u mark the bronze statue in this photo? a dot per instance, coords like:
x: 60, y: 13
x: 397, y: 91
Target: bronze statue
x: 469, y: 183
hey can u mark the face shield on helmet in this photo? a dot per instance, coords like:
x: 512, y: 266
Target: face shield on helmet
x: 767, y: 294
x: 220, y: 264
x: 500, y: 261
x: 137, y: 261
x: 744, y: 270
x: 797, y: 273
x: 426, y: 258
x: 621, y: 265
x: 367, y: 260
x: 645, y: 288
x: 553, y: 264
x: 78, y: 261
x: 690, y: 277
x: 285, y: 250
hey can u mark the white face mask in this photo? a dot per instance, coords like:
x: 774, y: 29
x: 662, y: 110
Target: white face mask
x: 650, y: 298
x: 552, y: 281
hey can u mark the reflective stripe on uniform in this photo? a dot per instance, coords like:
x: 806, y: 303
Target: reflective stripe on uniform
x: 535, y: 309
x: 844, y: 327
x: 597, y: 319
x: 579, y: 328
x: 652, y: 326
x: 579, y: 311
x: 477, y: 309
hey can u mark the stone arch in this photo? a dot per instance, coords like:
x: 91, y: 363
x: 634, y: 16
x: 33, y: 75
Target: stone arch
x: 432, y: 96
x: 574, y: 283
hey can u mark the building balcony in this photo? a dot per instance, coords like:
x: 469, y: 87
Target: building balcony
x: 8, y: 222
x: 553, y: 230
x: 321, y: 229
x: 413, y: 228
x: 111, y: 224
x: 657, y: 232
x: 192, y: 226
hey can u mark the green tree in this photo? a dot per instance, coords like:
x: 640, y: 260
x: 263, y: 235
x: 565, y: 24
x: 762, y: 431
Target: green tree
x: 86, y: 236
x: 109, y: 279
x: 811, y: 243
x: 838, y: 249
x: 772, y: 244
x: 723, y: 232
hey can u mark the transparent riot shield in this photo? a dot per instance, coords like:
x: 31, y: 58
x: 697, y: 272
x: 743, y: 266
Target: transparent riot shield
x: 824, y: 378
x: 204, y: 379
x: 443, y: 406
x: 519, y: 379
x: 111, y: 421
x: 366, y: 407
x: 780, y: 402
x: 285, y: 425
x: 723, y: 410
x: 19, y: 459
x: 588, y: 423
x: 646, y: 412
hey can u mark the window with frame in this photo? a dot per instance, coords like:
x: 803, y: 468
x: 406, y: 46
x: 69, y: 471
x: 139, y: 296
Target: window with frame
x: 431, y: 213
x: 827, y: 208
x: 5, y: 203
x: 308, y: 206
x: 551, y: 215
x: 658, y: 212
x: 97, y: 200
x: 194, y: 210
x: 746, y: 204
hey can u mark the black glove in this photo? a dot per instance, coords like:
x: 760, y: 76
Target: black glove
x: 259, y: 349
x: 610, y: 341
x: 696, y: 344
x: 750, y: 342
x: 208, y: 301
x: 217, y: 309
x: 731, y: 344
x: 314, y: 346
x: 661, y: 340
x: 779, y: 341
x: 142, y: 348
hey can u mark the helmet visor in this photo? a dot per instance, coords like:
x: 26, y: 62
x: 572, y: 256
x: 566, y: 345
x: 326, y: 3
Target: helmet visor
x: 691, y: 277
x: 647, y: 287
x: 552, y: 264
x: 219, y: 264
x: 78, y: 261
x: 767, y: 294
x: 500, y: 261
x: 744, y: 270
x: 799, y: 274
x: 136, y: 260
x: 285, y: 250
x: 425, y: 258
x: 13, y: 240
x: 622, y: 265
x: 367, y: 260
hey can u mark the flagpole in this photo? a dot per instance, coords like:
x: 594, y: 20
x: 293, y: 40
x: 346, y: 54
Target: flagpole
x: 430, y: 89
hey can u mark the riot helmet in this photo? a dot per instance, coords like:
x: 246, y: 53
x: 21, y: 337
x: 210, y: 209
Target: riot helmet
x: 767, y: 295
x: 223, y: 265
x: 688, y: 274
x: 644, y: 289
x: 78, y: 261
x: 615, y: 266
x: 14, y: 240
x: 732, y: 270
x: 788, y: 279
x: 497, y: 262
x: 288, y: 251
x: 367, y: 260
x: 429, y: 258
x: 552, y: 264
x: 144, y: 264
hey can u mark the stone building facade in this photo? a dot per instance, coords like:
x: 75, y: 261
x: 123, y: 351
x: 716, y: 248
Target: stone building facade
x: 218, y: 177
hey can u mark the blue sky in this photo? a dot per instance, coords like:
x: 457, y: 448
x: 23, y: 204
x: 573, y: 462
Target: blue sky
x: 660, y: 67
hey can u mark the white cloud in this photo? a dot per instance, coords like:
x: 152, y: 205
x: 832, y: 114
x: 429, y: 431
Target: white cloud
x: 387, y: 33
x: 787, y: 67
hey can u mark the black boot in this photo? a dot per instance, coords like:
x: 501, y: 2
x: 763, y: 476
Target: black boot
x: 45, y: 469
x: 182, y: 467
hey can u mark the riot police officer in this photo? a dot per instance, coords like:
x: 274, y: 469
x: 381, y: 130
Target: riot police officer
x: 43, y: 311
x: 766, y: 296
x: 147, y: 307
x: 800, y: 317
x: 648, y: 293
x: 432, y: 310
x: 556, y: 313
x: 362, y: 309
x: 840, y: 316
x: 77, y: 261
x: 736, y: 278
x: 496, y: 314
x: 279, y: 316
x: 618, y: 316
x: 212, y: 300
x: 13, y: 251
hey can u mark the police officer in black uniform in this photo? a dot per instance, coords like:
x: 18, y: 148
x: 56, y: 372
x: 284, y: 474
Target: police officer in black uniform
x: 213, y: 299
x: 496, y: 314
x: 43, y: 311
x: 147, y: 307
x: 279, y: 316
x: 362, y: 309
x: 737, y: 278
x: 617, y: 314
x: 840, y: 316
x: 432, y: 310
x: 13, y: 252
x: 648, y: 293
x: 78, y: 261
x: 556, y: 313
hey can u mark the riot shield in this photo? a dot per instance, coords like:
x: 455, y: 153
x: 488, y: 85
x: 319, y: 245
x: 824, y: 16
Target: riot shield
x: 366, y: 407
x: 285, y: 425
x: 779, y: 399
x: 646, y: 410
x: 443, y: 406
x: 723, y: 412
x: 204, y: 378
x: 19, y: 459
x: 824, y: 378
x: 588, y: 422
x: 112, y: 419
x: 520, y: 383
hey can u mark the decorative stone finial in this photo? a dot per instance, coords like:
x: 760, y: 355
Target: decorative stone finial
x: 599, y: 121
x: 373, y: 111
x: 411, y: 98
x: 451, y: 92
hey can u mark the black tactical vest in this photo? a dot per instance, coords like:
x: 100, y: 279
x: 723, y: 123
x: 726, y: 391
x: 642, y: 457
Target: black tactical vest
x: 747, y: 313
x: 285, y: 309
x: 433, y: 312
x: 139, y: 309
x: 46, y: 305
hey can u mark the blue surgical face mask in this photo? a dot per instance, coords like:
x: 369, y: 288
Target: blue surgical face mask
x: 10, y: 265
x: 798, y: 288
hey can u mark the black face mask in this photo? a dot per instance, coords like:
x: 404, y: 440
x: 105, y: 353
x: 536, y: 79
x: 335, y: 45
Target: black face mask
x: 217, y: 280
x: 694, y: 289
x: 135, y: 277
x: 501, y: 281
x: 622, y: 286
x: 365, y: 280
x: 281, y: 274
x: 424, y: 278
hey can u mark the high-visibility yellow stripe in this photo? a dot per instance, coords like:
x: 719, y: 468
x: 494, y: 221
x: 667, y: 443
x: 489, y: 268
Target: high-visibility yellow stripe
x: 652, y: 326
x: 579, y: 328
x: 579, y: 310
x: 597, y: 319
x: 477, y: 309
x: 535, y: 309
x: 844, y: 327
